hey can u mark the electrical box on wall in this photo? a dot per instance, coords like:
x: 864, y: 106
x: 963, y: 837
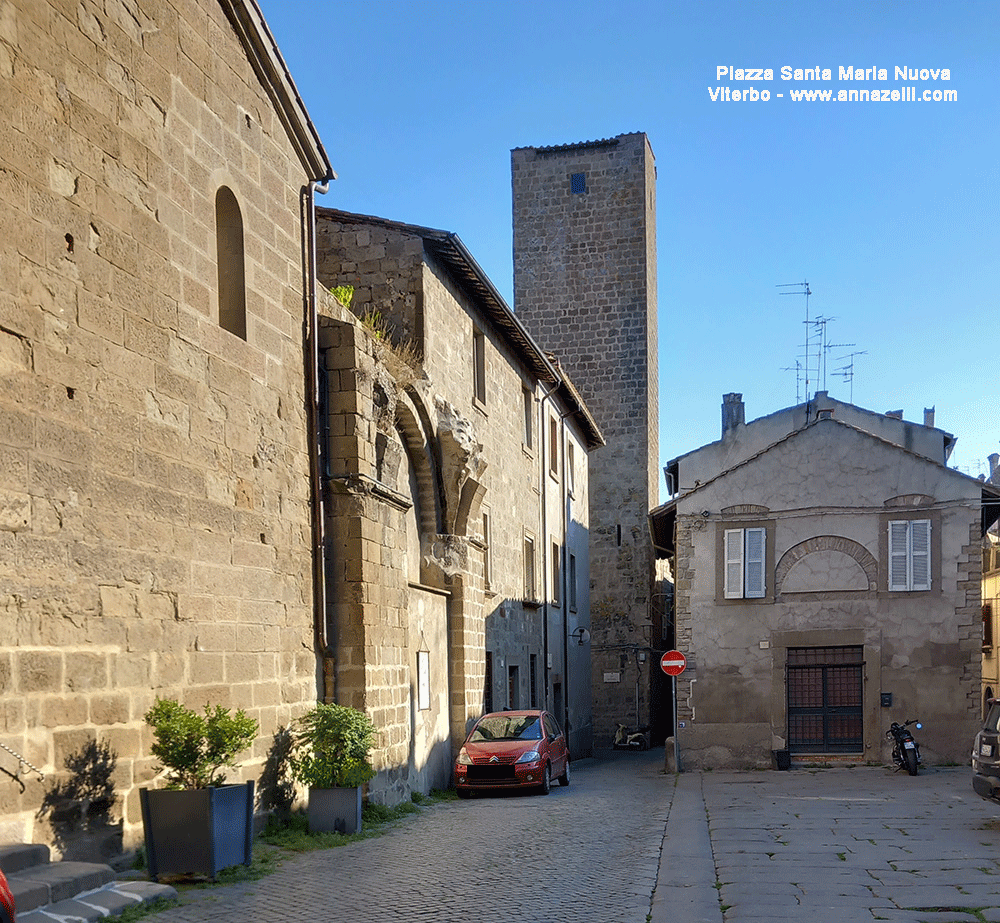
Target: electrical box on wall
x: 887, y: 700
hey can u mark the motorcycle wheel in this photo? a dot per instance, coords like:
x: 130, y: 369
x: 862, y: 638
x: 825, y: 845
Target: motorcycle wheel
x: 911, y: 762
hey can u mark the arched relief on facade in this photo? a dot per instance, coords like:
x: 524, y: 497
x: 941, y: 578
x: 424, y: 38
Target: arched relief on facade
x: 414, y: 432
x: 826, y: 564
x: 462, y: 467
x: 745, y: 509
x: 908, y: 501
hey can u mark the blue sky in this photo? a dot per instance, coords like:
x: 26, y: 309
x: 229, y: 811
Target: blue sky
x: 888, y: 209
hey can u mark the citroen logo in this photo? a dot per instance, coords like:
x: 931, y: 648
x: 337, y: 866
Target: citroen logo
x: 494, y: 759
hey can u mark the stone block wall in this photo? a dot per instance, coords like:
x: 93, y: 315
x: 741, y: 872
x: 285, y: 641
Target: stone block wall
x: 154, y: 525
x: 585, y: 287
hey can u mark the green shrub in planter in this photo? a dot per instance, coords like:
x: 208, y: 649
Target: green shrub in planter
x: 195, y: 748
x: 330, y: 757
x: 198, y: 825
x: 331, y: 747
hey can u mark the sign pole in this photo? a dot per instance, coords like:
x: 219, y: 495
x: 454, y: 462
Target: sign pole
x: 673, y: 663
x: 677, y: 747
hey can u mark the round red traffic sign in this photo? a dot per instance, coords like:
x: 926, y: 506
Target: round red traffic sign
x: 673, y: 663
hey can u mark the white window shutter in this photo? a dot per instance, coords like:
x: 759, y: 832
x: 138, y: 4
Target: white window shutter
x: 898, y: 555
x: 755, y: 557
x: 733, y: 551
x: 920, y: 554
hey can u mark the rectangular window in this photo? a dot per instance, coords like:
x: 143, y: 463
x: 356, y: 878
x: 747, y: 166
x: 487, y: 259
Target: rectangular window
x: 556, y: 574
x: 572, y: 582
x: 745, y: 563
x: 529, y: 568
x: 487, y: 552
x: 570, y: 469
x: 987, y: 626
x: 553, y: 447
x: 578, y: 183
x: 529, y: 418
x: 909, y: 555
x: 479, y: 365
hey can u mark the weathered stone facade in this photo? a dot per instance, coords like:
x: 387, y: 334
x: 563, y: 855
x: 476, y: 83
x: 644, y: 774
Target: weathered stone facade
x: 585, y: 286
x: 822, y: 498
x: 154, y: 477
x: 465, y: 485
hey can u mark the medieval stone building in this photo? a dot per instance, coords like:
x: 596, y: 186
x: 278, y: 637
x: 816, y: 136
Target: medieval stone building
x: 585, y: 286
x: 828, y: 582
x: 484, y: 528
x: 155, y: 533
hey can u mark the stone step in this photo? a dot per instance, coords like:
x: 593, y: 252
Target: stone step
x: 100, y: 903
x: 21, y: 856
x: 45, y: 890
x: 52, y: 882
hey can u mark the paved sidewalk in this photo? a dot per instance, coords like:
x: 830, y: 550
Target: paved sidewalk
x: 849, y: 844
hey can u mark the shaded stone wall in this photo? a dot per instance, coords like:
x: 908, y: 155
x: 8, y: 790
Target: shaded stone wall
x: 585, y: 287
x: 154, y: 527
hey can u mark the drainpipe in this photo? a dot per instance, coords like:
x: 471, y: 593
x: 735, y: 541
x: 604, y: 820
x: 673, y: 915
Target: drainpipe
x: 323, y: 632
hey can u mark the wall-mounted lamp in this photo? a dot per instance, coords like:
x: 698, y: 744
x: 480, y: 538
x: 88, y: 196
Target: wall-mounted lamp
x: 580, y: 635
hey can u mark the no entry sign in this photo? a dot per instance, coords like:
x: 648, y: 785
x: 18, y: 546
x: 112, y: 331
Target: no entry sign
x: 673, y: 663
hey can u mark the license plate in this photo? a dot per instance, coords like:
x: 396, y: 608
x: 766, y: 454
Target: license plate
x: 909, y: 745
x: 986, y: 749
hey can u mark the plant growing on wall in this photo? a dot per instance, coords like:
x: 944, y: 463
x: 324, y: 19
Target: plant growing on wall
x: 343, y: 293
x: 195, y: 749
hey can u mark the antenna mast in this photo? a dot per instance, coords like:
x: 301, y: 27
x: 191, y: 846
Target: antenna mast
x: 804, y: 286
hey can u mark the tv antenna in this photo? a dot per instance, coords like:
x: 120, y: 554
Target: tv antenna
x: 847, y: 371
x: 804, y: 290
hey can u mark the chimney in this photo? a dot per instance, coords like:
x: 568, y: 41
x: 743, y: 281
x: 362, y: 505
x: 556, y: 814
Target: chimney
x: 929, y: 416
x: 993, y: 459
x: 732, y: 412
x: 895, y: 414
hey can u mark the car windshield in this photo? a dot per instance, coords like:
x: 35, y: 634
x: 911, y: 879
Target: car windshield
x: 508, y: 727
x: 992, y: 722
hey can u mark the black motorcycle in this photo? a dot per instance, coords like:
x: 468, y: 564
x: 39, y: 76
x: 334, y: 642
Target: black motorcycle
x: 905, y: 750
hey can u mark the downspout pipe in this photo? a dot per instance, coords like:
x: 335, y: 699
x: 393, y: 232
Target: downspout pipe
x: 324, y: 632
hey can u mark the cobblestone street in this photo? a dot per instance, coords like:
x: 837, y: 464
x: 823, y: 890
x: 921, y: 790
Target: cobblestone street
x: 586, y: 853
x: 627, y: 843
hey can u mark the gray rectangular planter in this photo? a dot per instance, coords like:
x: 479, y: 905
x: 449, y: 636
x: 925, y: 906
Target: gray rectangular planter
x: 334, y: 810
x: 197, y: 831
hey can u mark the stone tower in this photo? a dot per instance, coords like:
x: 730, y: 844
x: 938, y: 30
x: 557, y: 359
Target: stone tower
x: 585, y: 287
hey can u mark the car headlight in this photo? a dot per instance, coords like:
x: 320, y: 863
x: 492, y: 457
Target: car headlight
x: 463, y: 757
x: 529, y: 756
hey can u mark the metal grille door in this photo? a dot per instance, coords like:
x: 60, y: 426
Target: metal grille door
x: 825, y: 699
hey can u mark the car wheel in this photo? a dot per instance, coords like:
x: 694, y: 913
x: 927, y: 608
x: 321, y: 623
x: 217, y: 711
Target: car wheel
x: 546, y: 785
x: 564, y: 778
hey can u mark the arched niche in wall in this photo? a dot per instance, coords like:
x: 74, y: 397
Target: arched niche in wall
x: 230, y: 260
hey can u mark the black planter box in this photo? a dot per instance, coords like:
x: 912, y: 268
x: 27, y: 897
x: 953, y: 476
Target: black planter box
x: 197, y: 831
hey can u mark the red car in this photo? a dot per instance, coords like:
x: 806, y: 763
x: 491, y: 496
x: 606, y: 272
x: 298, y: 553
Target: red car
x: 512, y: 749
x: 6, y: 901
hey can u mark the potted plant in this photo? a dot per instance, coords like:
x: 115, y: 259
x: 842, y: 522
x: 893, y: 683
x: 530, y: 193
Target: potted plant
x: 330, y: 757
x: 197, y: 824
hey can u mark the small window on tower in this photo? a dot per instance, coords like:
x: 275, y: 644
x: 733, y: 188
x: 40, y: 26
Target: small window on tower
x: 578, y: 183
